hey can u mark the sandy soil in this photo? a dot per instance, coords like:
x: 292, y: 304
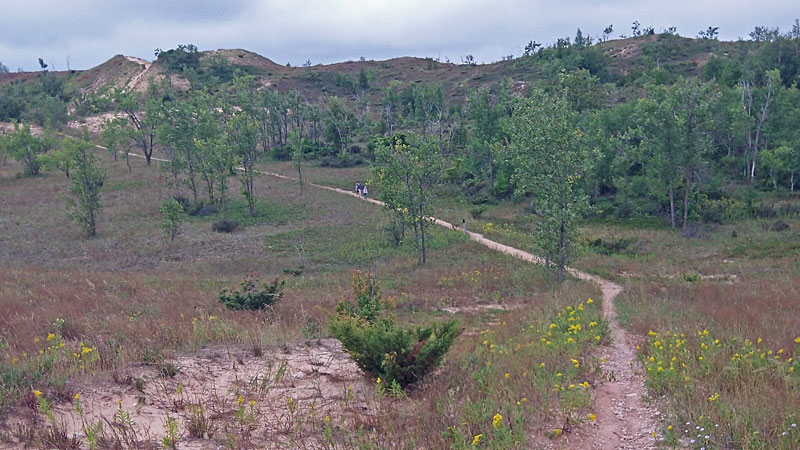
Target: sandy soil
x: 289, y: 387
x: 94, y: 123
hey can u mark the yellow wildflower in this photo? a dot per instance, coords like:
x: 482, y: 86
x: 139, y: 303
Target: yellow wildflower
x: 37, y: 393
x: 589, y: 302
x: 477, y: 439
x: 592, y: 417
x: 51, y: 336
x: 497, y: 420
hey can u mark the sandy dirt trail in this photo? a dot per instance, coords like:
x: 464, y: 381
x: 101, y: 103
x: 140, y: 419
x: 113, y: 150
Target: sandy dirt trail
x: 623, y: 420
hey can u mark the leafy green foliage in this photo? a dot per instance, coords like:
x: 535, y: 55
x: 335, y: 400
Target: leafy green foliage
x: 172, y: 216
x: 25, y: 147
x: 253, y: 294
x: 391, y: 353
x: 87, y: 180
x: 367, y: 293
x: 381, y: 348
x: 550, y: 158
x: 179, y: 59
x: 407, y: 172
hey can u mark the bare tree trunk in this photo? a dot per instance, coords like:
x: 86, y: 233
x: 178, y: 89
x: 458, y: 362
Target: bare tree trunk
x: 491, y: 166
x: 672, y: 204
x: 761, y: 119
x: 686, y: 191
x: 300, y: 178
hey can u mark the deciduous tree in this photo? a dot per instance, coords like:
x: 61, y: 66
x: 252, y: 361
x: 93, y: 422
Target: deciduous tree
x: 550, y: 158
x: 87, y: 179
x: 407, y: 171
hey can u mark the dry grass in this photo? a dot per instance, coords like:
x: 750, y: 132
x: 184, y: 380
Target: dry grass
x: 739, y: 284
x: 132, y: 297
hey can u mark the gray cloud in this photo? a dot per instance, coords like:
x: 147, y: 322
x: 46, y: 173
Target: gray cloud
x: 89, y: 32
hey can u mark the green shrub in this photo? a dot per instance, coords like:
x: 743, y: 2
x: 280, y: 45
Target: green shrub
x: 171, y: 217
x: 253, y: 294
x: 369, y: 302
x: 224, y: 226
x: 477, y: 211
x: 394, y: 354
x: 383, y: 349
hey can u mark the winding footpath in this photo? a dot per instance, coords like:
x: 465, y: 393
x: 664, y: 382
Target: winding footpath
x: 623, y: 420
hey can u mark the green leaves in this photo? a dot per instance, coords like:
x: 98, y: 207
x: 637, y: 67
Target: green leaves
x: 253, y: 294
x: 87, y: 179
x: 172, y: 216
x: 25, y: 147
x: 550, y: 158
x: 407, y: 171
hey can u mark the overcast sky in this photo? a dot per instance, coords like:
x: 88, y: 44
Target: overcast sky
x: 88, y: 32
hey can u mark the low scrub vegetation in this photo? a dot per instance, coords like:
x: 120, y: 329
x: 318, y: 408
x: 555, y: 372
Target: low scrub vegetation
x: 253, y: 294
x: 395, y: 355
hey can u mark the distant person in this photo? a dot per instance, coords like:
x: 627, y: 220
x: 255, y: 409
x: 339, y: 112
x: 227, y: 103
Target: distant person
x: 364, y: 190
x: 359, y: 188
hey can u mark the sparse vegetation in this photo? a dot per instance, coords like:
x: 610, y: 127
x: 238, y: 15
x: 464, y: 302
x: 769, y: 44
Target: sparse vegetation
x: 253, y: 294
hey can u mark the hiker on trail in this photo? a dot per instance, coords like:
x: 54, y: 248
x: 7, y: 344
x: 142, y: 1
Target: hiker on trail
x: 364, y: 190
x: 359, y: 188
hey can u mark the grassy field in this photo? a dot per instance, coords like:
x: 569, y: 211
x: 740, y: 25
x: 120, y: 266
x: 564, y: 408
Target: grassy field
x: 716, y: 316
x: 78, y: 314
x: 736, y: 285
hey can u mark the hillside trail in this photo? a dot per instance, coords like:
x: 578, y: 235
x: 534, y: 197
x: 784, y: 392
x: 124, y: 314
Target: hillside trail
x: 134, y: 81
x: 623, y: 421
